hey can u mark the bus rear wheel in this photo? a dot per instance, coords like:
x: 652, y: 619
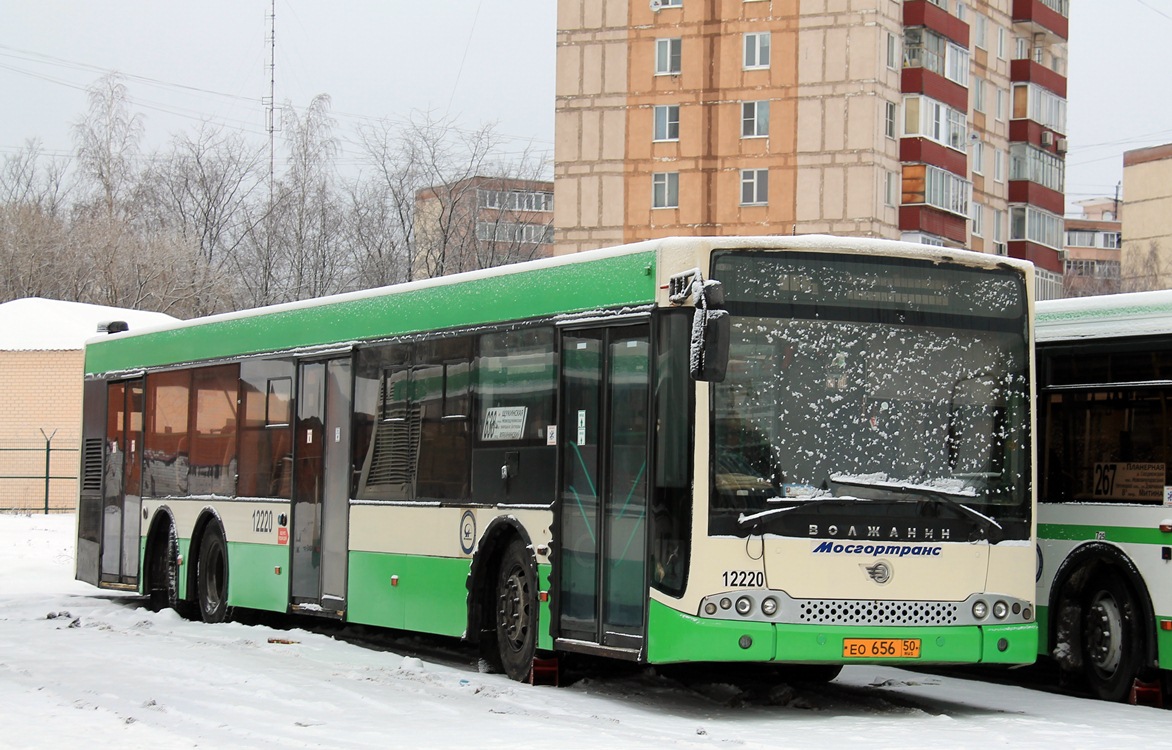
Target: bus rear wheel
x: 212, y: 576
x: 1112, y: 638
x: 516, y: 611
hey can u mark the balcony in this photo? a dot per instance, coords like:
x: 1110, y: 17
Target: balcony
x: 1028, y: 71
x: 1042, y: 15
x: 924, y: 13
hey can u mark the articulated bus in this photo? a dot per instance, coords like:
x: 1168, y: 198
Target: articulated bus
x: 1104, y: 522
x: 801, y: 450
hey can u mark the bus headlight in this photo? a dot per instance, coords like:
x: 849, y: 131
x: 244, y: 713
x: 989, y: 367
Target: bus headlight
x: 769, y: 607
x: 1000, y: 610
x: 980, y: 609
x: 744, y: 606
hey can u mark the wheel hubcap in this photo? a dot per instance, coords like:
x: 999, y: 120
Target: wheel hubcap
x: 1104, y: 633
x: 513, y: 610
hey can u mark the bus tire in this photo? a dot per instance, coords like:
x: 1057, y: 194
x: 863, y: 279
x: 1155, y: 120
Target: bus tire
x: 211, y: 577
x: 164, y: 580
x: 1112, y: 637
x: 515, y: 608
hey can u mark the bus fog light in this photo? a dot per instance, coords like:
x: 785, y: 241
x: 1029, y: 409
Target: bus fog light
x: 1027, y: 614
x: 709, y: 608
x: 769, y: 607
x: 980, y: 609
x: 744, y: 606
x: 725, y: 603
x: 1000, y: 610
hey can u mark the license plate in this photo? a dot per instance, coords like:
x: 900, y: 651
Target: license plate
x: 881, y: 648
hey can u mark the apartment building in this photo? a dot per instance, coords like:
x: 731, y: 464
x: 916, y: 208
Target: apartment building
x: 1091, y: 262
x: 1146, y: 261
x: 940, y: 122
x: 481, y: 222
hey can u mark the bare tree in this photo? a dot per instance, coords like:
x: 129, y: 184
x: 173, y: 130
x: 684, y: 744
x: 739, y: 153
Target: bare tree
x: 29, y: 177
x: 108, y: 138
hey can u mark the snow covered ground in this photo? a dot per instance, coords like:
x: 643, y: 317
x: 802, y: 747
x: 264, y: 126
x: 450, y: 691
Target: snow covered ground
x: 80, y: 667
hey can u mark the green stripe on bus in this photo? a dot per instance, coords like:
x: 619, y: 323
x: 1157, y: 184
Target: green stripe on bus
x: 627, y: 279
x: 1118, y: 534
x: 677, y: 637
x: 429, y: 594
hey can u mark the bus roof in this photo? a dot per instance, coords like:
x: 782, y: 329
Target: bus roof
x: 623, y: 276
x: 1104, y: 316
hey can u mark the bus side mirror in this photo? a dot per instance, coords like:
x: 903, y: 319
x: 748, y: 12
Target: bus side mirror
x: 710, y: 333
x: 710, y: 336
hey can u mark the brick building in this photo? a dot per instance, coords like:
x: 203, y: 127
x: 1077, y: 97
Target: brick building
x: 935, y: 121
x: 41, y: 358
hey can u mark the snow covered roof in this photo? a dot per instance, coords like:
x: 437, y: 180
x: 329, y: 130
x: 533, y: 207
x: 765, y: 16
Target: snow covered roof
x: 1105, y: 316
x: 36, y: 324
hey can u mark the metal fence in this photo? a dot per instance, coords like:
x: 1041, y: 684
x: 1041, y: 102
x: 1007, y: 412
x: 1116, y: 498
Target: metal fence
x: 38, y: 478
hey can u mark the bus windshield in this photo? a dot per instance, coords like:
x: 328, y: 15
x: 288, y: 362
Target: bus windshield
x: 862, y: 390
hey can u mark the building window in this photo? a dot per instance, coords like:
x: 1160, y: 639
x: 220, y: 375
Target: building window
x: 1000, y: 105
x: 979, y: 157
x: 671, y: 3
x: 924, y: 183
x: 514, y: 233
x: 981, y: 35
x: 1000, y: 43
x: 999, y: 227
x: 889, y: 119
x: 924, y: 48
x: 754, y: 119
x: 667, y: 56
x: 1035, y: 165
x: 754, y: 187
x: 998, y: 165
x: 516, y: 200
x: 1032, y: 102
x: 1092, y: 238
x: 667, y: 122
x: 892, y: 52
x: 978, y: 94
x: 1035, y: 225
x: 978, y: 220
x: 665, y: 190
x: 936, y: 121
x: 757, y: 50
x: 891, y: 186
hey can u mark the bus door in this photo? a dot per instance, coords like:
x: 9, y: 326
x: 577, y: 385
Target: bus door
x: 602, y: 518
x: 122, y: 484
x: 321, y: 487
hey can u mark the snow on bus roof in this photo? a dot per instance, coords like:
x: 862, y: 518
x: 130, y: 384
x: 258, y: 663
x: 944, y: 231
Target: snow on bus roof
x: 38, y: 324
x: 1105, y: 316
x: 678, y: 244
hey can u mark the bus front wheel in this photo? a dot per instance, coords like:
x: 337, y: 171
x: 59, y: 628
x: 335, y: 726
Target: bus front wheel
x: 516, y: 610
x: 1112, y: 637
x: 212, y: 576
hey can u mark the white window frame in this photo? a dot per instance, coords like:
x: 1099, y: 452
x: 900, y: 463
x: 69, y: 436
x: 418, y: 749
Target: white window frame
x: 979, y: 157
x: 665, y: 190
x: 666, y: 123
x: 936, y: 121
x: 756, y: 50
x: 998, y: 165
x: 755, y: 187
x: 1000, y: 114
x: 1028, y: 162
x: 892, y: 52
x: 755, y: 119
x: 890, y: 120
x: 947, y: 191
x: 978, y: 87
x: 1032, y: 224
x: 978, y: 220
x: 1043, y: 106
x: 668, y: 56
x: 1000, y: 42
x: 892, y: 185
x: 981, y: 31
x: 671, y: 3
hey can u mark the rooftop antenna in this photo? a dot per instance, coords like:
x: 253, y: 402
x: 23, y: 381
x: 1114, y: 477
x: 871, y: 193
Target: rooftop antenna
x: 269, y: 101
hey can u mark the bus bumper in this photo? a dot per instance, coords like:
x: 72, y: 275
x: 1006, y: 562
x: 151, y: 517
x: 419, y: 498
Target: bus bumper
x: 677, y: 637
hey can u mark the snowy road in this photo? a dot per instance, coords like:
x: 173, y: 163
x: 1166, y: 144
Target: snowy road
x: 81, y: 667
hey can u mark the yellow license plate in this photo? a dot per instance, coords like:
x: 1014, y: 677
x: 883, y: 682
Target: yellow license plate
x: 881, y: 648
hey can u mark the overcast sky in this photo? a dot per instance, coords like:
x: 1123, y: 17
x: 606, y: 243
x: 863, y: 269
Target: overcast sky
x: 474, y: 61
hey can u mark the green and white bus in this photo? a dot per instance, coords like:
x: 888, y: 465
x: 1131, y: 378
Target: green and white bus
x: 803, y: 450
x: 1104, y: 521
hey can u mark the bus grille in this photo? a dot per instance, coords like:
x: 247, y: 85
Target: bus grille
x: 858, y: 612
